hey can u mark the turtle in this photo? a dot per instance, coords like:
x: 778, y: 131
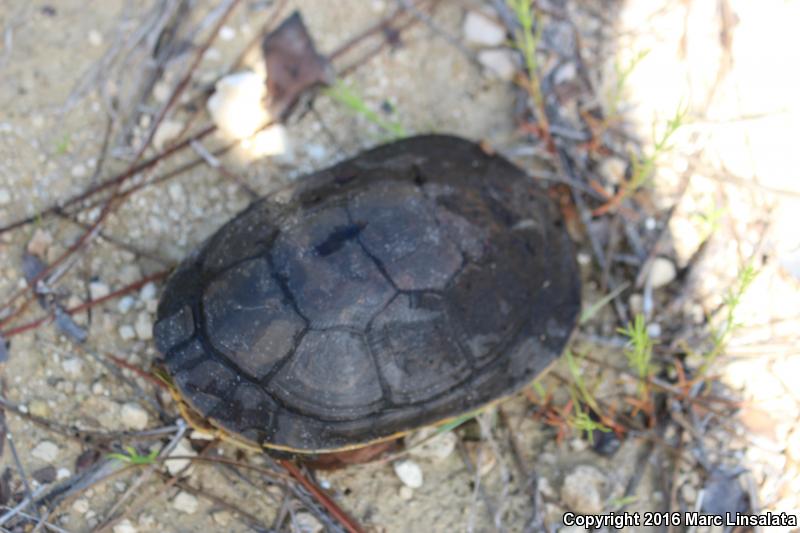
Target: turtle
x: 413, y: 283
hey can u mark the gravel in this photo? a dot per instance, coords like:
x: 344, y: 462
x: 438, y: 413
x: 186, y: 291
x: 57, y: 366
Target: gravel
x: 584, y: 489
x: 480, y: 30
x: 662, y: 272
x: 134, y: 416
x: 500, y: 63
x: 185, y: 502
x: 409, y: 473
x: 45, y: 451
x: 144, y: 326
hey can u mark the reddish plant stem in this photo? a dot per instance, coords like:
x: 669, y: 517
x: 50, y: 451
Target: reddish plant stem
x: 85, y: 305
x: 331, y: 506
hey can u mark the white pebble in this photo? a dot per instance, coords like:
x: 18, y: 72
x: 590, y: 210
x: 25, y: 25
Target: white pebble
x: 78, y: 171
x: 584, y: 490
x: 134, y: 416
x: 167, y: 131
x: 125, y: 304
x: 424, y: 445
x: 98, y: 289
x: 236, y: 106
x: 125, y: 526
x: 81, y: 505
x: 95, y: 38
x: 221, y: 518
x: 45, y: 451
x: 63, y: 473
x: 144, y: 326
x: 662, y: 272
x: 226, y: 33
x: 185, y: 502
x: 126, y: 332
x: 409, y: 473
x: 148, y: 292
x: 307, y: 523
x: 183, y: 449
x: 73, y: 367
x: 5, y: 197
x: 654, y: 330
x: 406, y: 493
x: 483, y: 31
x: 500, y: 63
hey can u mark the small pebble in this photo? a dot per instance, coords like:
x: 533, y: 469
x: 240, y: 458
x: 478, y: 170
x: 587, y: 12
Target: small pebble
x: 81, y: 505
x: 421, y: 444
x: 125, y: 304
x: 148, y: 292
x: 39, y: 243
x: 406, y: 493
x: 134, y: 416
x: 5, y: 197
x: 130, y: 273
x: 125, y: 526
x: 662, y: 272
x: 654, y: 330
x: 236, y: 106
x: 144, y: 326
x: 183, y: 449
x: 185, y: 503
x: 584, y: 490
x: 483, y: 31
x: 166, y: 132
x: 45, y: 451
x: 39, y: 408
x: 222, y: 518
x: 73, y: 367
x: 307, y: 523
x: 126, y: 332
x: 95, y: 38
x: 409, y: 473
x: 500, y: 63
x: 78, y: 171
x: 226, y: 33
x: 98, y: 289
x: 63, y: 473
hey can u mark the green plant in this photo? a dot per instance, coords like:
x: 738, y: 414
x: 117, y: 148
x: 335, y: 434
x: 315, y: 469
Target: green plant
x: 527, y: 42
x: 63, y: 144
x: 582, y: 420
x: 639, y: 350
x: 347, y: 97
x: 133, y: 457
x: 620, y: 79
x: 589, y: 313
x: 730, y: 304
x: 642, y: 167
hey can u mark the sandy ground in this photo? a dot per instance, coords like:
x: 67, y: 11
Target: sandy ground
x: 58, y: 80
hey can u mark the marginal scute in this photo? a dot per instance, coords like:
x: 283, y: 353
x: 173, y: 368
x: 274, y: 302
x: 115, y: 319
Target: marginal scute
x: 249, y: 319
x: 206, y: 384
x: 331, y: 375
x: 334, y: 282
x: 416, y: 348
x: 401, y: 232
x: 184, y: 357
x: 174, y: 329
x: 249, y: 411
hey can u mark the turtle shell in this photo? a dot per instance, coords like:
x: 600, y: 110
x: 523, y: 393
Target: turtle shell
x: 415, y: 282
